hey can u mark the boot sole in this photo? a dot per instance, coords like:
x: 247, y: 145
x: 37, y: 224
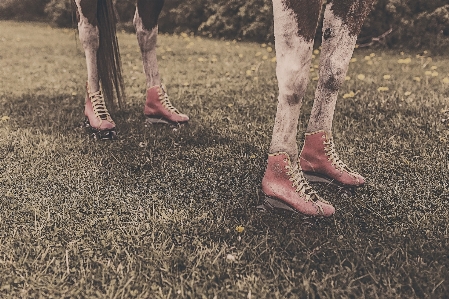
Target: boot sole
x: 347, y: 190
x: 108, y: 134
x: 271, y: 204
x: 160, y: 120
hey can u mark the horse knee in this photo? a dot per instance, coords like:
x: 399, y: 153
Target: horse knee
x: 148, y: 11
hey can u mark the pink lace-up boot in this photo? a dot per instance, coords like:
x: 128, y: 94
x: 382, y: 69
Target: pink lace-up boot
x: 320, y: 162
x: 286, y: 188
x: 98, y: 118
x: 159, y: 110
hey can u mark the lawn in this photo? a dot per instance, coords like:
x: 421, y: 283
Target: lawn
x: 172, y: 213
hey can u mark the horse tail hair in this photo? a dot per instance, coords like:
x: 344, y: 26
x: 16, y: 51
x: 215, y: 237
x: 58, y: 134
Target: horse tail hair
x: 108, y: 57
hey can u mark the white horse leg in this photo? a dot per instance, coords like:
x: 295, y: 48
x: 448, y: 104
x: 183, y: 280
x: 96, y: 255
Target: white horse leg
x: 293, y: 53
x: 283, y: 184
x: 90, y: 39
x: 158, y: 108
x: 145, y: 22
x: 99, y: 119
x: 339, y: 38
x: 319, y: 161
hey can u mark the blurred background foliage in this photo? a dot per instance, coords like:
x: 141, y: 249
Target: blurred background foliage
x: 413, y: 23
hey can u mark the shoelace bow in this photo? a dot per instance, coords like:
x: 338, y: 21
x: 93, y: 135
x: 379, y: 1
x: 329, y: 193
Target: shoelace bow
x: 99, y: 106
x: 335, y: 160
x: 165, y: 101
x: 301, y: 184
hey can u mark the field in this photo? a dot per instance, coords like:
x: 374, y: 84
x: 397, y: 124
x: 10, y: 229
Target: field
x: 172, y: 213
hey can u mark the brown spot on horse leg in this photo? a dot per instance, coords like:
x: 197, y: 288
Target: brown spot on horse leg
x: 89, y: 10
x: 306, y: 14
x: 352, y: 12
x: 149, y: 11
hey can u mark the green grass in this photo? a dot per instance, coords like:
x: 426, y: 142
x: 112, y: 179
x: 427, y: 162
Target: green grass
x: 154, y: 214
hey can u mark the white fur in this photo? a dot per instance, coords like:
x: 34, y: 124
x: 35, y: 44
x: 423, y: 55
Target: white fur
x: 147, y: 41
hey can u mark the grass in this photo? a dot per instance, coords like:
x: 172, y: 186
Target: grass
x: 154, y: 214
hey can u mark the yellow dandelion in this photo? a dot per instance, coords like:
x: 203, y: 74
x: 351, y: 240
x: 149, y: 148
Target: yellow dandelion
x: 249, y: 72
x: 74, y: 93
x: 241, y: 55
x: 265, y: 57
x: 201, y: 59
x: 168, y: 49
x: 258, y: 54
x: 239, y: 229
x: 315, y: 78
x: 367, y: 57
x: 163, y: 57
x: 234, y: 41
x: 230, y: 105
x: 361, y: 77
x: 369, y: 62
x: 446, y: 80
x: 417, y: 79
x: 313, y: 56
x: 349, y: 95
x: 402, y: 53
x: 316, y: 66
x: 263, y: 45
x: 353, y: 59
x: 213, y: 59
x: 387, y: 77
x: 347, y: 78
x: 434, y: 67
x: 5, y: 118
x: 435, y: 74
x: 273, y: 59
x: 256, y: 78
x: 407, y: 93
x: 383, y: 88
x: 405, y: 61
x: 269, y: 49
x: 184, y: 35
x: 372, y: 54
x: 428, y: 73
x: 186, y: 84
x: 316, y: 52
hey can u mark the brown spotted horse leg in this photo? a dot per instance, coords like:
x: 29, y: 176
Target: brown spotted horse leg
x: 99, y: 68
x: 158, y: 108
x: 283, y: 184
x: 319, y: 160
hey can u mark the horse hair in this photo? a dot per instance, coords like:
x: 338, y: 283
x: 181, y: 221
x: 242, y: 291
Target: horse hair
x: 108, y: 55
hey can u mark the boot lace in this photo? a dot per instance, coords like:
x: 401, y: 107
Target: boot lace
x: 302, y: 185
x: 99, y: 106
x: 335, y: 160
x: 165, y: 100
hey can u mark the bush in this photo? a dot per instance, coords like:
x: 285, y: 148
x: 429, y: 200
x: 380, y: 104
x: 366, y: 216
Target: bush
x: 26, y: 10
x: 61, y: 13
x: 414, y: 23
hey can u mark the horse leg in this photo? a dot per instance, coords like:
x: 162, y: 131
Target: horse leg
x: 98, y: 118
x: 158, y: 108
x: 284, y: 185
x: 342, y: 23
